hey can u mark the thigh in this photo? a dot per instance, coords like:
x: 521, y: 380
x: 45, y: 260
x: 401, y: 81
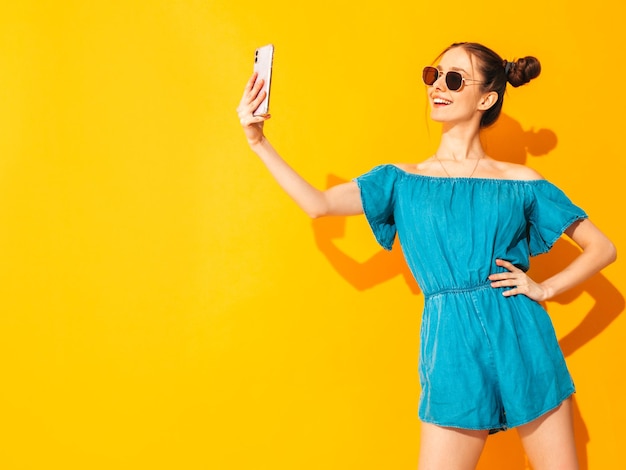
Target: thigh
x: 449, y: 448
x: 549, y: 440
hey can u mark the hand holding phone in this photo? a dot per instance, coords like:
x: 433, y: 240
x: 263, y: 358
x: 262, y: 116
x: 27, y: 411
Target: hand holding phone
x: 263, y: 58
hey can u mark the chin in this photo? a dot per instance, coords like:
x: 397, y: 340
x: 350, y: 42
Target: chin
x: 438, y: 118
x: 444, y: 118
x: 439, y: 115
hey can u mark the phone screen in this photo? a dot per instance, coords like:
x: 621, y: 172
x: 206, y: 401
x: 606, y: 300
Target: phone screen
x: 263, y: 58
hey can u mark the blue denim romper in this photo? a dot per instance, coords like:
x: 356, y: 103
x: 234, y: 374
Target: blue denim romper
x: 486, y: 361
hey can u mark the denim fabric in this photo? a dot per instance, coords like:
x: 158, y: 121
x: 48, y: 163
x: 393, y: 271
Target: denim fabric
x: 486, y: 361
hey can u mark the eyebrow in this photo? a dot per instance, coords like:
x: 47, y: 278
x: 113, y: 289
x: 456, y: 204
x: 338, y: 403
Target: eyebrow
x: 456, y: 69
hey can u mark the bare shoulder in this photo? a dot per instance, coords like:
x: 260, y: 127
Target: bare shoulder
x: 514, y: 171
x: 408, y: 167
x: 421, y: 168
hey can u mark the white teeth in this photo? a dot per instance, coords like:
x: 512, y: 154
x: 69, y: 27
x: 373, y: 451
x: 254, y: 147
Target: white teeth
x: 441, y: 101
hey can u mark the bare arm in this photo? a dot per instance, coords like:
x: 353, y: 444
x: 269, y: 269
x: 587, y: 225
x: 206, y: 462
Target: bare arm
x: 597, y: 252
x: 343, y: 199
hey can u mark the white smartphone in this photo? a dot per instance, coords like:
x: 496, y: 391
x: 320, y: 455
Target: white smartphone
x: 263, y: 58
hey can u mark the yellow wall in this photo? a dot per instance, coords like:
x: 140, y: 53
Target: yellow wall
x: 163, y: 304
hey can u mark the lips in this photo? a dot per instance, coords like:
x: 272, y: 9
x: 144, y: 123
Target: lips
x: 441, y: 101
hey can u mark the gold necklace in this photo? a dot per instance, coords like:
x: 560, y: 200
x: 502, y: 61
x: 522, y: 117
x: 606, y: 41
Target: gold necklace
x: 446, y: 171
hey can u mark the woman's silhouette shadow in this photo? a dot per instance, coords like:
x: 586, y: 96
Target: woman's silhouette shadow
x: 506, y: 141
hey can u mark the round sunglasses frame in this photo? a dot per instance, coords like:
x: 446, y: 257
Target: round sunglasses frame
x: 454, y: 80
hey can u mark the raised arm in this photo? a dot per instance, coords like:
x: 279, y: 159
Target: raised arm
x: 343, y: 199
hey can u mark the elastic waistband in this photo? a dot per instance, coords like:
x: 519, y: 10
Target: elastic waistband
x: 458, y: 290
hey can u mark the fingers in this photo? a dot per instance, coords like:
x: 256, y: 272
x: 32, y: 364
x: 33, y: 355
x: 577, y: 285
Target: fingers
x: 513, y: 273
x: 256, y: 102
x: 515, y: 279
x: 516, y: 282
x: 513, y: 291
x: 508, y: 265
x: 511, y: 285
x: 507, y: 282
x: 250, y: 101
x: 252, y: 81
x: 252, y: 89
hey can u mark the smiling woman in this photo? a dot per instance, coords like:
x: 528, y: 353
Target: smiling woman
x: 489, y: 357
x: 163, y: 304
x: 489, y: 65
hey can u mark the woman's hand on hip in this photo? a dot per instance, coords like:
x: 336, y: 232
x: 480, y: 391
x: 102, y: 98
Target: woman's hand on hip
x: 517, y: 282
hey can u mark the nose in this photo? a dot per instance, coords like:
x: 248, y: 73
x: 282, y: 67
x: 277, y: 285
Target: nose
x: 440, y: 83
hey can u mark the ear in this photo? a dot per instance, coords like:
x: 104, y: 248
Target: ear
x: 488, y: 100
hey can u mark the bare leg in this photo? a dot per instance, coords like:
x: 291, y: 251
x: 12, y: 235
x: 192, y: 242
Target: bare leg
x: 549, y: 440
x: 449, y: 448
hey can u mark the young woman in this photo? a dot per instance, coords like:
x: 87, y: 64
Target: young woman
x: 489, y: 358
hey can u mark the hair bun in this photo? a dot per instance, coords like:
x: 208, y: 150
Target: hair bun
x: 522, y: 70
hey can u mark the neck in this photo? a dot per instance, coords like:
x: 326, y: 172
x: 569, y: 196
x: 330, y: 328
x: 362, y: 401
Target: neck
x: 460, y: 143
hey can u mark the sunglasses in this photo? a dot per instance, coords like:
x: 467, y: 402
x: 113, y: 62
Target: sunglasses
x: 454, y: 80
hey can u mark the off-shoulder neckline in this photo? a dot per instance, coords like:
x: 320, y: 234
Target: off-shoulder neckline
x: 466, y: 178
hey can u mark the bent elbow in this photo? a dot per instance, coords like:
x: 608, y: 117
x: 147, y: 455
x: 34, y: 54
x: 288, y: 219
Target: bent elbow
x: 607, y: 252
x: 612, y: 252
x: 316, y: 211
x: 315, y: 214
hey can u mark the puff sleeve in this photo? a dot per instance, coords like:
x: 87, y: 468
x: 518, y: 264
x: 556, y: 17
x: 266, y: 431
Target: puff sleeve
x: 550, y: 214
x: 378, y: 191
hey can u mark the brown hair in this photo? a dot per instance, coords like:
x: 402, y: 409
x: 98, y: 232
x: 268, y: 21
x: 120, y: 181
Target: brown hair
x: 496, y: 74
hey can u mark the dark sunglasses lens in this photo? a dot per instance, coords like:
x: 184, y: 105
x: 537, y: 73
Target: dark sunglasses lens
x: 430, y: 75
x: 454, y: 80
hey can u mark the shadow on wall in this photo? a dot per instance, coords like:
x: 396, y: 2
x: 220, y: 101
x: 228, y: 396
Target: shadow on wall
x: 506, y: 141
